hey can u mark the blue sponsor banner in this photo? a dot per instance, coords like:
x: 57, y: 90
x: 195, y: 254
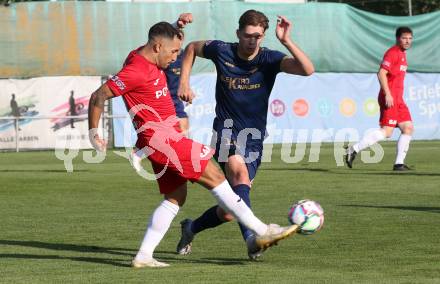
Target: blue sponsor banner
x: 323, y: 107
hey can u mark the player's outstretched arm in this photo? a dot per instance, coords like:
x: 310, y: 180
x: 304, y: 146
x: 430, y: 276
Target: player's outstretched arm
x: 300, y: 64
x: 383, y: 81
x: 193, y: 49
x: 96, y: 107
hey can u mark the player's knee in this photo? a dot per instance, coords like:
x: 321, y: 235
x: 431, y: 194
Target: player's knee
x: 408, y: 130
x: 211, y: 176
x: 177, y: 196
x: 239, y: 178
x: 177, y: 201
x: 388, y: 133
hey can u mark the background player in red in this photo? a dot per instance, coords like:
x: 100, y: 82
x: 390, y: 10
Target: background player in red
x: 393, y: 110
x: 175, y: 158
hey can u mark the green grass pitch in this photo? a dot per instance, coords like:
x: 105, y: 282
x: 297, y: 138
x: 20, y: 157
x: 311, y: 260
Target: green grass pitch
x: 85, y: 227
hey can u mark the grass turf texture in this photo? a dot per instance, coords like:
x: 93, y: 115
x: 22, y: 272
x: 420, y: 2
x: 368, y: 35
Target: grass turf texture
x: 85, y: 226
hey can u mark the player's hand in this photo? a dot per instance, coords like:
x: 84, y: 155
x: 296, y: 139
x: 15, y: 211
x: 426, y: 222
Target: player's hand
x: 389, y: 101
x: 185, y: 93
x: 283, y: 29
x: 98, y: 143
x: 184, y: 19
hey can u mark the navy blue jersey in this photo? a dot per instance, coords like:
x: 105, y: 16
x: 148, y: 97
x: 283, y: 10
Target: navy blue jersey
x: 173, y: 76
x: 243, y: 87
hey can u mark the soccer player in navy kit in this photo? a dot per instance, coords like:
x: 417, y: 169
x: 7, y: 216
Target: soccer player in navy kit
x: 173, y: 76
x: 246, y: 74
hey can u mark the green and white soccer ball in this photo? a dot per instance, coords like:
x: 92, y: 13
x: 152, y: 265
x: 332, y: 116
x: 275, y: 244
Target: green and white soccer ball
x: 308, y: 214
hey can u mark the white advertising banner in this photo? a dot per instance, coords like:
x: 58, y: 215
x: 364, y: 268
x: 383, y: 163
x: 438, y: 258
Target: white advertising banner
x: 331, y: 107
x: 42, y: 106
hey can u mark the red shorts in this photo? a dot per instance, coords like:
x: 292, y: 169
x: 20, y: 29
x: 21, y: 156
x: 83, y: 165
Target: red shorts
x: 177, y: 161
x: 394, y: 115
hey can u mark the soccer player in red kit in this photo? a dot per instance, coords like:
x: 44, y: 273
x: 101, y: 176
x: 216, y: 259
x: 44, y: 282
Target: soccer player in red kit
x: 393, y: 110
x: 175, y: 159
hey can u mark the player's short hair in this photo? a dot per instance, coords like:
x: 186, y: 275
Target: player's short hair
x: 164, y: 29
x: 403, y: 30
x: 253, y: 18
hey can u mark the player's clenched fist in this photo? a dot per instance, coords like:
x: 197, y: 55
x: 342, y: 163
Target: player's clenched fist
x: 184, y: 19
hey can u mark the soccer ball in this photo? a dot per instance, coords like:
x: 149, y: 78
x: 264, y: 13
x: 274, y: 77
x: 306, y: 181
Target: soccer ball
x: 308, y: 214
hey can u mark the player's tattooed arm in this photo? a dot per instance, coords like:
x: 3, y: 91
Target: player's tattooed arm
x: 193, y: 49
x: 96, y: 104
x: 96, y: 107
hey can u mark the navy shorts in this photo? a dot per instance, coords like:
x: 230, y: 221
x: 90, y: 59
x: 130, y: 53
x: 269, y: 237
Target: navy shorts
x: 251, y: 153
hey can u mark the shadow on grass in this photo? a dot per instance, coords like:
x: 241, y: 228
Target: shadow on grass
x: 411, y: 208
x: 114, y: 262
x: 68, y: 247
x: 207, y: 260
x: 130, y: 253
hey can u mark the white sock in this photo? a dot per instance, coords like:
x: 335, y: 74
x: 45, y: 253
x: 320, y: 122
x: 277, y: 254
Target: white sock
x: 402, y: 148
x: 372, y: 137
x: 232, y: 203
x: 159, y: 224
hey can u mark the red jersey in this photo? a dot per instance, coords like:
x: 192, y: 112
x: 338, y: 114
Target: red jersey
x: 174, y: 157
x: 394, y: 61
x: 143, y: 86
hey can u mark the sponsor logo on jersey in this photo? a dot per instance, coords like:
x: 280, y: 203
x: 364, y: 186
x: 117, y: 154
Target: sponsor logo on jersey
x: 386, y: 63
x: 240, y: 83
x: 229, y: 64
x: 176, y: 71
x: 163, y: 92
x: 118, y: 82
x: 156, y: 82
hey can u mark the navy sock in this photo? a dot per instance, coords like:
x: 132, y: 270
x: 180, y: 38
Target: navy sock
x: 243, y: 191
x: 207, y: 220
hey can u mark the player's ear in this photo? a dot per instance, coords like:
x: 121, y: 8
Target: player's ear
x: 157, y: 46
x: 237, y: 32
